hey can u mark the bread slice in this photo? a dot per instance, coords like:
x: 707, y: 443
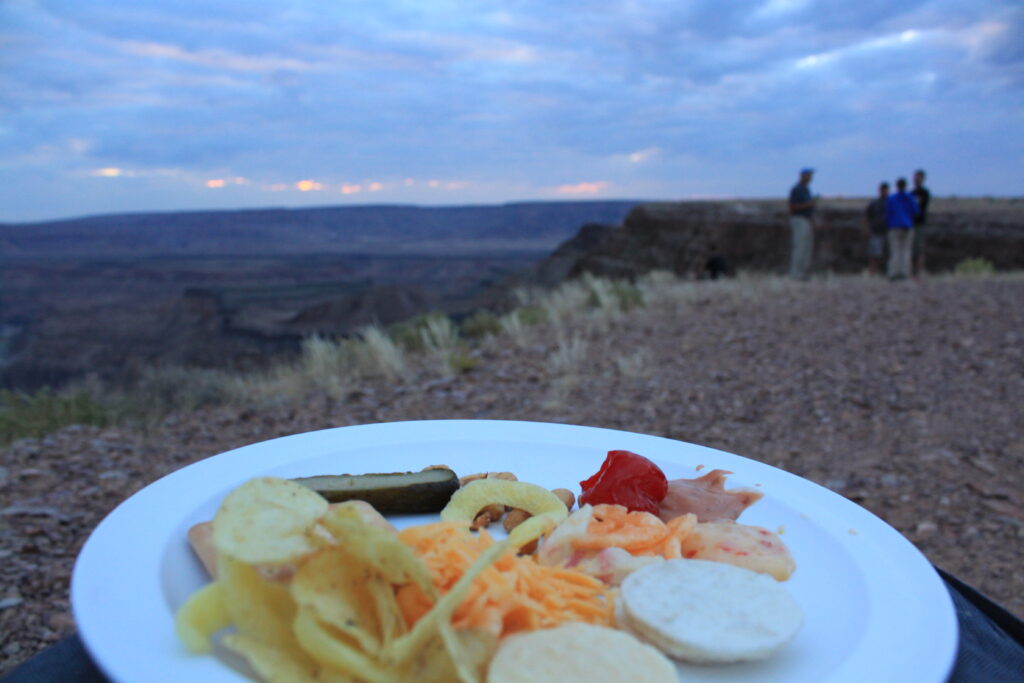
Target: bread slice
x: 704, y: 612
x: 580, y: 653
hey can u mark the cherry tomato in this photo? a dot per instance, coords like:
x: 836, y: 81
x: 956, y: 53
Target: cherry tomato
x: 628, y: 479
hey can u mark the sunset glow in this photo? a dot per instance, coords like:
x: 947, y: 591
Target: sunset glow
x: 308, y: 185
x: 217, y: 182
x: 108, y: 172
x: 583, y: 188
x: 351, y: 189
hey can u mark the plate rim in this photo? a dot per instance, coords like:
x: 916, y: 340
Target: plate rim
x: 91, y: 575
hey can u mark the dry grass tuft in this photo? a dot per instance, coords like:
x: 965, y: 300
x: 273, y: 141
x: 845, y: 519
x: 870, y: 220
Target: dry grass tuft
x: 381, y: 355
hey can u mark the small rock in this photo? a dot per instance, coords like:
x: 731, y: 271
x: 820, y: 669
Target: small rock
x: 61, y: 622
x: 10, y: 602
x: 838, y: 484
x: 32, y: 511
x: 926, y: 527
x: 890, y: 480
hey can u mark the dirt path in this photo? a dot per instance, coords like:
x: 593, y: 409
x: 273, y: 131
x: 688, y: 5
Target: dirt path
x: 905, y: 398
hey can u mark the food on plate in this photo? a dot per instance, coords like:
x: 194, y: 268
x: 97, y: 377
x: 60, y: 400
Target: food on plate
x: 578, y: 652
x: 267, y: 521
x: 200, y: 537
x: 493, y: 512
x: 628, y: 479
x: 338, y: 618
x: 742, y: 545
x: 319, y: 591
x: 545, y: 507
x: 517, y: 516
x: 394, y: 492
x: 706, y: 497
x: 515, y: 593
x: 702, y: 611
x: 609, y: 542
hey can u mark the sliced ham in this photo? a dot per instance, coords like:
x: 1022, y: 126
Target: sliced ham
x: 705, y: 497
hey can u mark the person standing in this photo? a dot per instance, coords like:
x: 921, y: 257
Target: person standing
x: 801, y: 226
x: 923, y: 196
x: 900, y: 212
x: 875, y: 227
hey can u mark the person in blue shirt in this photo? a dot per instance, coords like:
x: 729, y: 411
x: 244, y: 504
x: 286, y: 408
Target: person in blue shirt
x: 900, y: 211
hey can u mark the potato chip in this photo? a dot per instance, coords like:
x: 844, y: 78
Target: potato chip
x: 470, y: 650
x: 267, y: 521
x: 392, y: 625
x: 273, y: 663
x: 379, y: 547
x: 431, y: 662
x: 260, y: 609
x: 202, y: 615
x: 330, y: 647
x: 336, y: 587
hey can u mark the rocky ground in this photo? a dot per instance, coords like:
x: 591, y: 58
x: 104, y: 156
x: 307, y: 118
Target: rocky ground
x: 902, y: 397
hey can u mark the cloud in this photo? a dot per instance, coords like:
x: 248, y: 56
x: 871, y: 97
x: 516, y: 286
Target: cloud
x: 216, y: 58
x: 495, y: 103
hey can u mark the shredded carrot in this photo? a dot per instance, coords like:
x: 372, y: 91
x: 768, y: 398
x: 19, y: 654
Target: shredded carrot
x: 638, y: 532
x: 514, y: 594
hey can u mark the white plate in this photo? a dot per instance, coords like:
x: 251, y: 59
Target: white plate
x: 875, y: 608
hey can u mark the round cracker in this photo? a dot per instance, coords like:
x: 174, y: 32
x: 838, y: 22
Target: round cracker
x: 579, y: 652
x: 704, y: 612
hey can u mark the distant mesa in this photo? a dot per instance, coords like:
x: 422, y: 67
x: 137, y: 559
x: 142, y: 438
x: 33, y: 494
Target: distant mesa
x: 753, y: 235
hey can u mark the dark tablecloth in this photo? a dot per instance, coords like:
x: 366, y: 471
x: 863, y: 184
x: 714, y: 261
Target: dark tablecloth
x: 991, y: 648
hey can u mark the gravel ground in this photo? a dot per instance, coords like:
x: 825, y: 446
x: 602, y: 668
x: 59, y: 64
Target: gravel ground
x: 905, y: 398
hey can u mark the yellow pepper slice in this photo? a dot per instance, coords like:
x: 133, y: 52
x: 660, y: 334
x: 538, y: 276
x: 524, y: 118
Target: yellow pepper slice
x: 547, y: 508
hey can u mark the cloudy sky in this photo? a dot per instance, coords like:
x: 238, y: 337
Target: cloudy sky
x: 128, y: 105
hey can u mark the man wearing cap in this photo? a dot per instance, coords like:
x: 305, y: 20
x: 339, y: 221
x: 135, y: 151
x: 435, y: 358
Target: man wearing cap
x: 801, y: 226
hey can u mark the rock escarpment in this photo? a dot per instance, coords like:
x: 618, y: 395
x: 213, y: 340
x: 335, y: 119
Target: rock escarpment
x: 754, y: 236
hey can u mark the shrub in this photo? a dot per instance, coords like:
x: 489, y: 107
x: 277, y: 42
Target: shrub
x: 481, y: 324
x: 326, y: 364
x: 460, y: 362
x: 163, y: 389
x: 34, y: 415
x: 628, y: 296
x: 381, y: 353
x: 438, y: 334
x: 530, y: 315
x: 568, y: 357
x: 974, y: 266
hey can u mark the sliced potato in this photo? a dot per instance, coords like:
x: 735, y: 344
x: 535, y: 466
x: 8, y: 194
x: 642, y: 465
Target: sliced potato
x: 259, y: 609
x: 275, y: 664
x: 330, y: 647
x: 267, y: 521
x: 202, y: 615
x: 378, y: 547
x: 334, y: 586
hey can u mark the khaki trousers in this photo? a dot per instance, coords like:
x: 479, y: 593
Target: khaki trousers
x: 901, y: 242
x: 802, y: 247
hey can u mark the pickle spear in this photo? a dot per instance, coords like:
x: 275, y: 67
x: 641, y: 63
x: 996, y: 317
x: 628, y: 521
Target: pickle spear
x: 392, y: 492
